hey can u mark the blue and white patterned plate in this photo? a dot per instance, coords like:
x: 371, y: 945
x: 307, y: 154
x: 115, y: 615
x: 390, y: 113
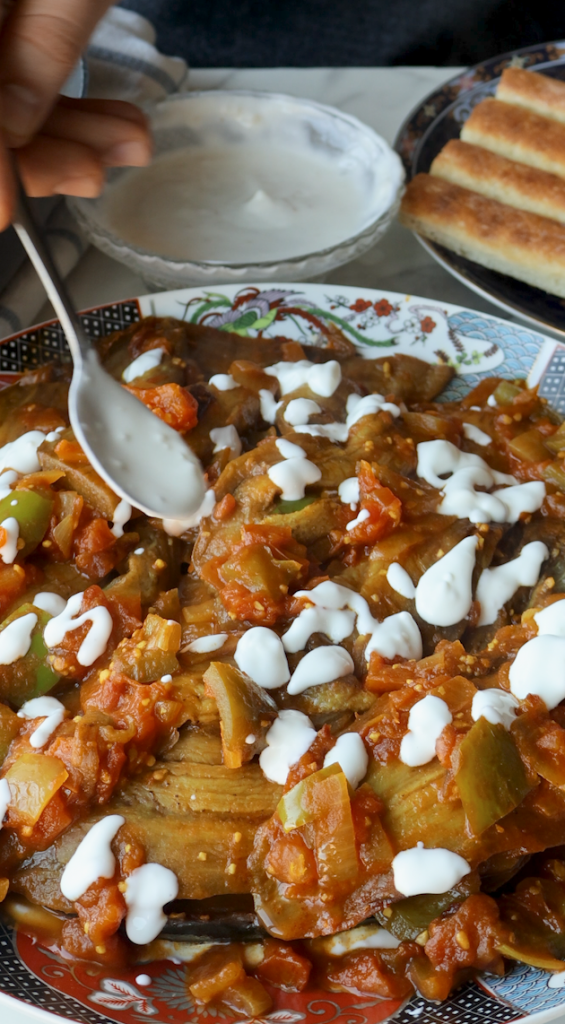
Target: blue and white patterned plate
x: 475, y: 344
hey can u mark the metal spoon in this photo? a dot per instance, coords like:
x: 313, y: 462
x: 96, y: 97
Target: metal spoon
x: 143, y: 460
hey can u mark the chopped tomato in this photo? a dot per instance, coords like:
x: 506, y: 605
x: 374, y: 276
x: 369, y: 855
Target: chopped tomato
x: 214, y: 973
x: 380, y: 510
x: 283, y: 967
x: 170, y: 403
x: 291, y: 860
x: 78, y: 944
x: 14, y: 580
x: 367, y: 972
x: 251, y: 606
x: 225, y: 508
x: 102, y: 909
x: 64, y: 655
x: 70, y: 452
x: 94, y: 548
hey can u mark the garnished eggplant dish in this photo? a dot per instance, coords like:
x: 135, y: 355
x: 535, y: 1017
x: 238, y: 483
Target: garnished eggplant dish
x: 314, y: 735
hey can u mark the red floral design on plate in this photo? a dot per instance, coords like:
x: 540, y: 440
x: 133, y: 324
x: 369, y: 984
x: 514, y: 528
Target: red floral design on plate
x: 117, y: 994
x: 383, y: 307
x: 427, y: 325
x: 360, y: 305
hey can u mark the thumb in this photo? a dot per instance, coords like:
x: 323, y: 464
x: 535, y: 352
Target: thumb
x: 40, y: 43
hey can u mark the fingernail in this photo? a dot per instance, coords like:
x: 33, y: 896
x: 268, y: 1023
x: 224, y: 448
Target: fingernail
x: 19, y: 109
x: 86, y: 188
x: 128, y: 154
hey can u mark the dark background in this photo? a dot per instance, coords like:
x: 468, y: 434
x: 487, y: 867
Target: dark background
x: 317, y: 33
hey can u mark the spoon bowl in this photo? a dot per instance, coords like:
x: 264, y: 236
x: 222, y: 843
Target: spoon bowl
x: 140, y: 457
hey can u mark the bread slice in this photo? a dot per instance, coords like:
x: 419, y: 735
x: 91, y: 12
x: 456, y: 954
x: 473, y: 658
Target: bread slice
x: 515, y: 242
x: 539, y: 93
x: 517, y: 134
x: 494, y: 176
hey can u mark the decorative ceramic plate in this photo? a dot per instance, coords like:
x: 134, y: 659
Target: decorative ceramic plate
x: 474, y: 344
x: 439, y: 118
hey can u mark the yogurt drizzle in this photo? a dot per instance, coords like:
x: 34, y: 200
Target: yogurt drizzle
x: 322, y: 665
x: 15, y: 638
x: 419, y: 871
x: 226, y: 437
x: 299, y: 410
x: 94, y: 643
x: 466, y: 472
x: 351, y: 755
x: 223, y: 382
x: 356, y: 408
x: 473, y: 433
x: 5, y: 799
x: 366, y: 936
x: 122, y: 515
x: 539, y: 666
x: 260, y: 654
x: 551, y: 620
x: 92, y: 859
x: 148, y: 889
x: 52, y: 712
x: 334, y: 611
x: 206, y: 644
x: 444, y: 594
x: 9, y: 548
x: 322, y: 378
x: 497, y: 706
x: 293, y: 475
x: 145, y: 362
x: 426, y: 722
x: 289, y: 737
x: 399, y: 580
x: 348, y: 491
x: 49, y: 602
x: 496, y: 586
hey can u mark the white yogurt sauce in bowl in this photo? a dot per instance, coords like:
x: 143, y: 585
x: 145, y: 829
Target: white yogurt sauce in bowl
x: 245, y: 180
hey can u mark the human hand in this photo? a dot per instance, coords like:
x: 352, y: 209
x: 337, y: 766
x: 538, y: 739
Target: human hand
x: 61, y: 145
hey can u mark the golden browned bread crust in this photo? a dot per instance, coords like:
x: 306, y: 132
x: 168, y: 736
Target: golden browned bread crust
x: 517, y: 134
x: 494, y: 176
x: 536, y: 92
x: 515, y: 242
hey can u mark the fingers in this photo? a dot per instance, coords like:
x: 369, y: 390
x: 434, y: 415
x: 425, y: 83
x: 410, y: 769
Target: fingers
x: 40, y: 43
x: 80, y: 139
x: 117, y: 108
x: 118, y: 135
x: 60, y: 167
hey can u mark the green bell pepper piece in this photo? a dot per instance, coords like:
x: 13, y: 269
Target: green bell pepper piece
x: 32, y: 675
x: 506, y: 391
x: 410, y: 917
x: 283, y: 508
x: 32, y: 511
x: 492, y: 778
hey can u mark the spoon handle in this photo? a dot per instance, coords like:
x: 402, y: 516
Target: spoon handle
x: 33, y: 242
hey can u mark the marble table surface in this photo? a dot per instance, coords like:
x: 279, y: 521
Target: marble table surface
x: 382, y: 97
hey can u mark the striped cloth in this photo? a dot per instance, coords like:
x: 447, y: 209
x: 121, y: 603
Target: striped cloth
x: 122, y: 62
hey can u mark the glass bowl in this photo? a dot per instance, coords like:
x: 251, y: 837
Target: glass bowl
x: 245, y: 118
